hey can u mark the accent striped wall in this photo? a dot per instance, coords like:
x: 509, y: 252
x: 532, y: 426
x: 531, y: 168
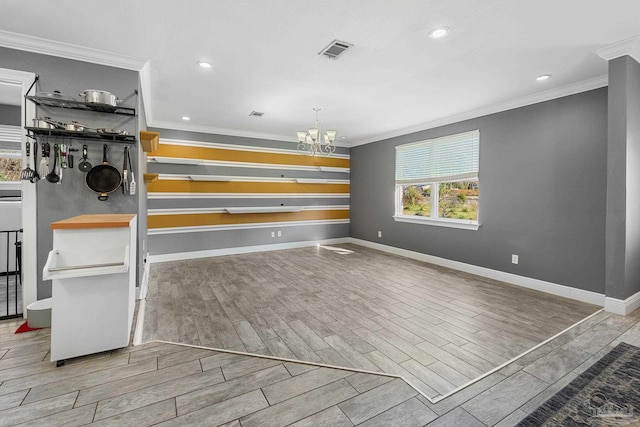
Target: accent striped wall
x: 214, y: 195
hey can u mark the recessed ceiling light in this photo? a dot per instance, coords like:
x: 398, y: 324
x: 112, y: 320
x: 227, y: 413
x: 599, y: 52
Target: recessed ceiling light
x: 343, y: 137
x: 204, y: 64
x: 439, y: 32
x: 543, y: 77
x: 186, y: 118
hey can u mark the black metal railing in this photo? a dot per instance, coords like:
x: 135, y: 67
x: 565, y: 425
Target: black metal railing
x: 10, y: 274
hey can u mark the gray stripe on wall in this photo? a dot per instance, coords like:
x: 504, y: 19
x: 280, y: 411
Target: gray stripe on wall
x: 237, y: 203
x: 170, y: 168
x: 188, y: 242
x: 227, y: 139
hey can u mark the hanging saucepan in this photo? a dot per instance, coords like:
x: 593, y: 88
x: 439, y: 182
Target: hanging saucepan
x: 103, y: 97
x: 104, y: 179
x: 75, y: 126
x: 46, y: 123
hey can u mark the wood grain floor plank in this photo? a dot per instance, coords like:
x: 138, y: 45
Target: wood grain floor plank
x: 376, y: 401
x: 146, y: 416
x: 157, y: 393
x: 128, y: 385
x: 220, y: 413
x: 301, y: 406
x: 217, y: 393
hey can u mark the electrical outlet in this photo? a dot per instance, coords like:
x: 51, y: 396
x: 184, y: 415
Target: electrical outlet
x: 514, y: 258
x: 379, y: 233
x: 279, y: 233
x: 273, y: 234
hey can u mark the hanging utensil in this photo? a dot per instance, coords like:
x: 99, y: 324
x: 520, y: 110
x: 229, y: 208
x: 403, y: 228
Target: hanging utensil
x: 53, y: 176
x: 132, y: 182
x: 27, y: 173
x: 36, y: 176
x: 63, y: 156
x: 59, y: 171
x: 44, y: 162
x: 125, y: 178
x: 84, y: 165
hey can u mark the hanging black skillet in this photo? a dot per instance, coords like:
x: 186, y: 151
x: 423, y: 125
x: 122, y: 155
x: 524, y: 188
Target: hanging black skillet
x: 104, y: 179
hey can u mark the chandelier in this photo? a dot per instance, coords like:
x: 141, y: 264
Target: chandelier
x: 313, y: 142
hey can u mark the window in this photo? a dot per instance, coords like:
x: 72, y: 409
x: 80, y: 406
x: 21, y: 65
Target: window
x: 437, y: 181
x: 10, y: 155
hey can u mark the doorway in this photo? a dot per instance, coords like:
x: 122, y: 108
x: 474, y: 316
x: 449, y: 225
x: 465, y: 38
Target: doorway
x: 19, y: 209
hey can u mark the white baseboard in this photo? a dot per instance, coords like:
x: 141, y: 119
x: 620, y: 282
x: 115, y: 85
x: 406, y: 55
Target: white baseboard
x: 144, y: 283
x: 514, y: 279
x: 242, y: 250
x: 622, y: 307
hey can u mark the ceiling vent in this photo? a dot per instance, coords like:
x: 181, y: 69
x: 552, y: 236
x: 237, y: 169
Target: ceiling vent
x: 256, y: 114
x: 335, y: 49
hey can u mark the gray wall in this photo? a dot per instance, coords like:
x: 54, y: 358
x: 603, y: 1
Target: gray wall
x: 10, y: 115
x: 199, y: 241
x: 623, y: 179
x: 542, y: 193
x: 73, y: 197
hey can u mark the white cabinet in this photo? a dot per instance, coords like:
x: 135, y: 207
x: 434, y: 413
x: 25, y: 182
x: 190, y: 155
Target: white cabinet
x: 93, y: 273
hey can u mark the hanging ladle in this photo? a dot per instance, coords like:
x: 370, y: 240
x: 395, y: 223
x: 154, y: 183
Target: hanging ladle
x: 53, y: 176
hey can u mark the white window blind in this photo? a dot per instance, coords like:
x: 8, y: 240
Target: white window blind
x: 10, y: 137
x: 449, y: 158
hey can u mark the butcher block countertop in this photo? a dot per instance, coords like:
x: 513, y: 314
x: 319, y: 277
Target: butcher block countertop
x: 93, y: 221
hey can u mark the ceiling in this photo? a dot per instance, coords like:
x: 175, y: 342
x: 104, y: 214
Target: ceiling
x: 394, y: 79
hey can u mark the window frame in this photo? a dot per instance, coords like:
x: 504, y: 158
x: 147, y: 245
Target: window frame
x: 434, y: 219
x: 434, y: 183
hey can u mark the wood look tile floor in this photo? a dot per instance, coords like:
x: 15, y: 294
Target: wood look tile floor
x: 168, y: 384
x: 350, y: 306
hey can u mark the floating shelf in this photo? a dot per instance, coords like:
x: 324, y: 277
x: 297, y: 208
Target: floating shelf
x: 209, y: 178
x: 150, y: 177
x: 175, y: 160
x: 81, y: 135
x: 266, y: 209
x: 149, y: 140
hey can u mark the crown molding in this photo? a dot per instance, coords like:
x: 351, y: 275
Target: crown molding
x: 70, y: 51
x: 144, y: 77
x: 630, y: 47
x: 535, y: 98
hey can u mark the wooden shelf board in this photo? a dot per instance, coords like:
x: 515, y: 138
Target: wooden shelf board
x: 150, y: 177
x: 149, y: 140
x: 94, y: 221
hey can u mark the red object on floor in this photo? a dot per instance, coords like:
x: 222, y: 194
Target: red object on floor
x: 25, y: 328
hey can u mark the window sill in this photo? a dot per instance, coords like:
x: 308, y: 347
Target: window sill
x: 451, y: 223
x: 10, y: 185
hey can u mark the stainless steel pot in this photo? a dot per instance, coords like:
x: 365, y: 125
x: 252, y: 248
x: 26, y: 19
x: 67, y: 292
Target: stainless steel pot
x: 45, y: 123
x: 103, y: 97
x: 78, y: 127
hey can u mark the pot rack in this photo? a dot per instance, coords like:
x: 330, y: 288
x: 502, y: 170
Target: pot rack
x: 81, y: 134
x: 81, y: 105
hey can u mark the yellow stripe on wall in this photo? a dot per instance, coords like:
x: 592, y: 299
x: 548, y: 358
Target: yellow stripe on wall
x: 204, y: 153
x: 195, y: 220
x: 181, y: 186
